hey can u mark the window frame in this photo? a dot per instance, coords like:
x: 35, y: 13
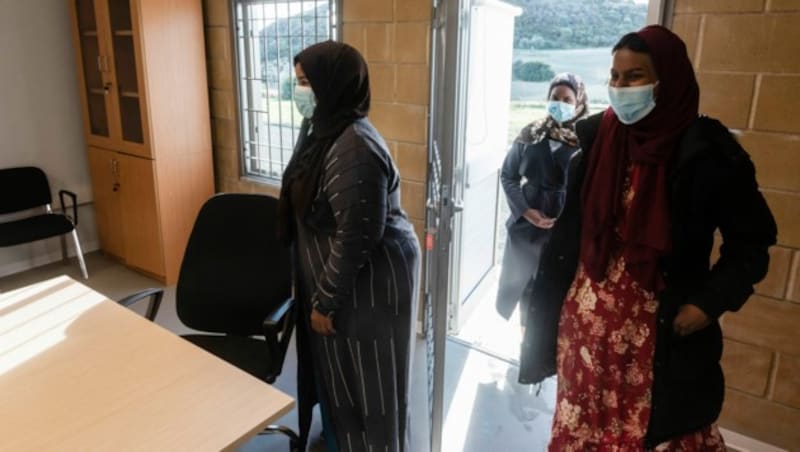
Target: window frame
x: 245, y: 125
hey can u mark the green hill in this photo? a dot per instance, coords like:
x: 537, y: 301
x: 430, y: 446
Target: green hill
x: 569, y: 24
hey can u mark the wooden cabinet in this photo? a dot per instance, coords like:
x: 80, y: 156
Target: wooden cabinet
x: 142, y: 80
x: 107, y: 202
x: 125, y: 202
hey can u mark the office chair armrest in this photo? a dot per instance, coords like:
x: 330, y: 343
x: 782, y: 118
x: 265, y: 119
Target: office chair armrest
x: 155, y: 296
x: 74, y: 197
x: 278, y: 328
x: 274, y: 319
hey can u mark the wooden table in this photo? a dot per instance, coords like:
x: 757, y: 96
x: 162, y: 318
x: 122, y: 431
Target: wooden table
x: 79, y: 372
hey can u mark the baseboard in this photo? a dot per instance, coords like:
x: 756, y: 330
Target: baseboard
x: 736, y: 442
x: 38, y: 260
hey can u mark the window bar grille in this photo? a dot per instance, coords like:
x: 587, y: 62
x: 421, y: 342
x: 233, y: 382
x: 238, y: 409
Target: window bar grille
x: 270, y: 32
x: 264, y: 79
x: 263, y: 128
x: 290, y: 68
x: 251, y: 128
x: 277, y: 121
x: 265, y: 160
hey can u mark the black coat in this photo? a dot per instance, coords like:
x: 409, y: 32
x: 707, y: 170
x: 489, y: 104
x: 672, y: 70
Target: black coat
x: 533, y: 176
x: 712, y: 187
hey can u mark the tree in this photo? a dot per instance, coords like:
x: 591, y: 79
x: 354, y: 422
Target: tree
x: 280, y: 41
x: 532, y: 71
x: 569, y: 24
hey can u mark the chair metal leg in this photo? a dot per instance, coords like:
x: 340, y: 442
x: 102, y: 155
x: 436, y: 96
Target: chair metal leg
x: 79, y: 253
x: 64, y: 254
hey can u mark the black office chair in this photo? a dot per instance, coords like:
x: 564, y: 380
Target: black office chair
x: 235, y: 282
x: 26, y: 188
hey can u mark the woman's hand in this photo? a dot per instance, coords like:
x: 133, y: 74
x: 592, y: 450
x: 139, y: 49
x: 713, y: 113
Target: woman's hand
x: 321, y: 323
x: 538, y: 219
x: 690, y: 318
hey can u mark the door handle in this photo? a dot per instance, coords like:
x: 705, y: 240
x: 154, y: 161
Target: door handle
x: 458, y: 206
x: 115, y: 172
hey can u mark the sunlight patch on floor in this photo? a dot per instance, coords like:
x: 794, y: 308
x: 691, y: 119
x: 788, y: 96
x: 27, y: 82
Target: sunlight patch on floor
x: 487, y: 330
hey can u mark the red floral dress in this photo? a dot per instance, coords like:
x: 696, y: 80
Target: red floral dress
x: 605, y: 366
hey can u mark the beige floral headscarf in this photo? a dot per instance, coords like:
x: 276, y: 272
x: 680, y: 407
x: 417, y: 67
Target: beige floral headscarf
x: 548, y: 127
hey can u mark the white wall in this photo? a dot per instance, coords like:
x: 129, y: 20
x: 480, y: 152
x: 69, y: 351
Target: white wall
x: 40, y: 115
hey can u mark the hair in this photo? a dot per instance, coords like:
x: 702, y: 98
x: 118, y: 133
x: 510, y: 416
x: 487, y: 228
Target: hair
x: 632, y: 41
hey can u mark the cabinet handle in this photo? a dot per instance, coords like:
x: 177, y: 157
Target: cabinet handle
x: 115, y: 171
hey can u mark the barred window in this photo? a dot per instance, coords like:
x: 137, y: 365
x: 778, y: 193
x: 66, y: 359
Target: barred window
x: 268, y: 35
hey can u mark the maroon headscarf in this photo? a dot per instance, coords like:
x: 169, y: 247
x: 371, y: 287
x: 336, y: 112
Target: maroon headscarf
x: 650, y: 144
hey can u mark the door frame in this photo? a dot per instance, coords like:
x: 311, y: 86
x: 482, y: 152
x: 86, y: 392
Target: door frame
x: 445, y: 168
x: 449, y: 50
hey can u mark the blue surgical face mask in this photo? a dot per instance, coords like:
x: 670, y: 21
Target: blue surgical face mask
x: 304, y: 100
x: 560, y: 111
x: 632, y: 103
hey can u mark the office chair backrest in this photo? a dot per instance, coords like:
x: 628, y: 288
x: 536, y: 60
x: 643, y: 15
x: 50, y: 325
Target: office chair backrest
x: 234, y: 271
x: 23, y: 188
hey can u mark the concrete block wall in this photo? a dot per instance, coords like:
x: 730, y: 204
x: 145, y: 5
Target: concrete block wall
x: 224, y: 115
x: 747, y: 58
x: 394, y: 37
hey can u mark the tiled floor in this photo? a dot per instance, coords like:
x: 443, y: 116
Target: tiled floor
x: 485, y: 409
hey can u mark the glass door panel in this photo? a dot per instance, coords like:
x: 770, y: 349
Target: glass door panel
x: 125, y: 68
x: 93, y: 63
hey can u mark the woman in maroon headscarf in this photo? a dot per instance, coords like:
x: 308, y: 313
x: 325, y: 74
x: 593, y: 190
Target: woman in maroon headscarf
x: 638, y: 341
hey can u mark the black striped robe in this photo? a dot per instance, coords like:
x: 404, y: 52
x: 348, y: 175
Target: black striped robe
x: 358, y: 257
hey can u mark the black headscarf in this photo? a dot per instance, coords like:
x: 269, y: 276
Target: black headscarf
x: 340, y: 82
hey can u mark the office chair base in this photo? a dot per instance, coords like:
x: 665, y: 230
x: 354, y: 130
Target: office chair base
x: 294, y: 440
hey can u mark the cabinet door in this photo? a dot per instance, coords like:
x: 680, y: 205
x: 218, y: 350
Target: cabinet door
x: 94, y: 76
x: 143, y: 247
x: 103, y: 167
x: 124, y: 48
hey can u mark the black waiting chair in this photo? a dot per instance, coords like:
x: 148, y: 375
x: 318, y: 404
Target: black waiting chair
x: 235, y: 283
x: 26, y: 188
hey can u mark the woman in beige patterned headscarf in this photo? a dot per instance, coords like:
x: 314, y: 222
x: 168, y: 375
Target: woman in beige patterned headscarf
x: 534, y: 180
x: 560, y: 131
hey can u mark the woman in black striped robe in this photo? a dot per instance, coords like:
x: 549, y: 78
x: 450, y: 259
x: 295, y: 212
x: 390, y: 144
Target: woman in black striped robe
x: 357, y: 260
